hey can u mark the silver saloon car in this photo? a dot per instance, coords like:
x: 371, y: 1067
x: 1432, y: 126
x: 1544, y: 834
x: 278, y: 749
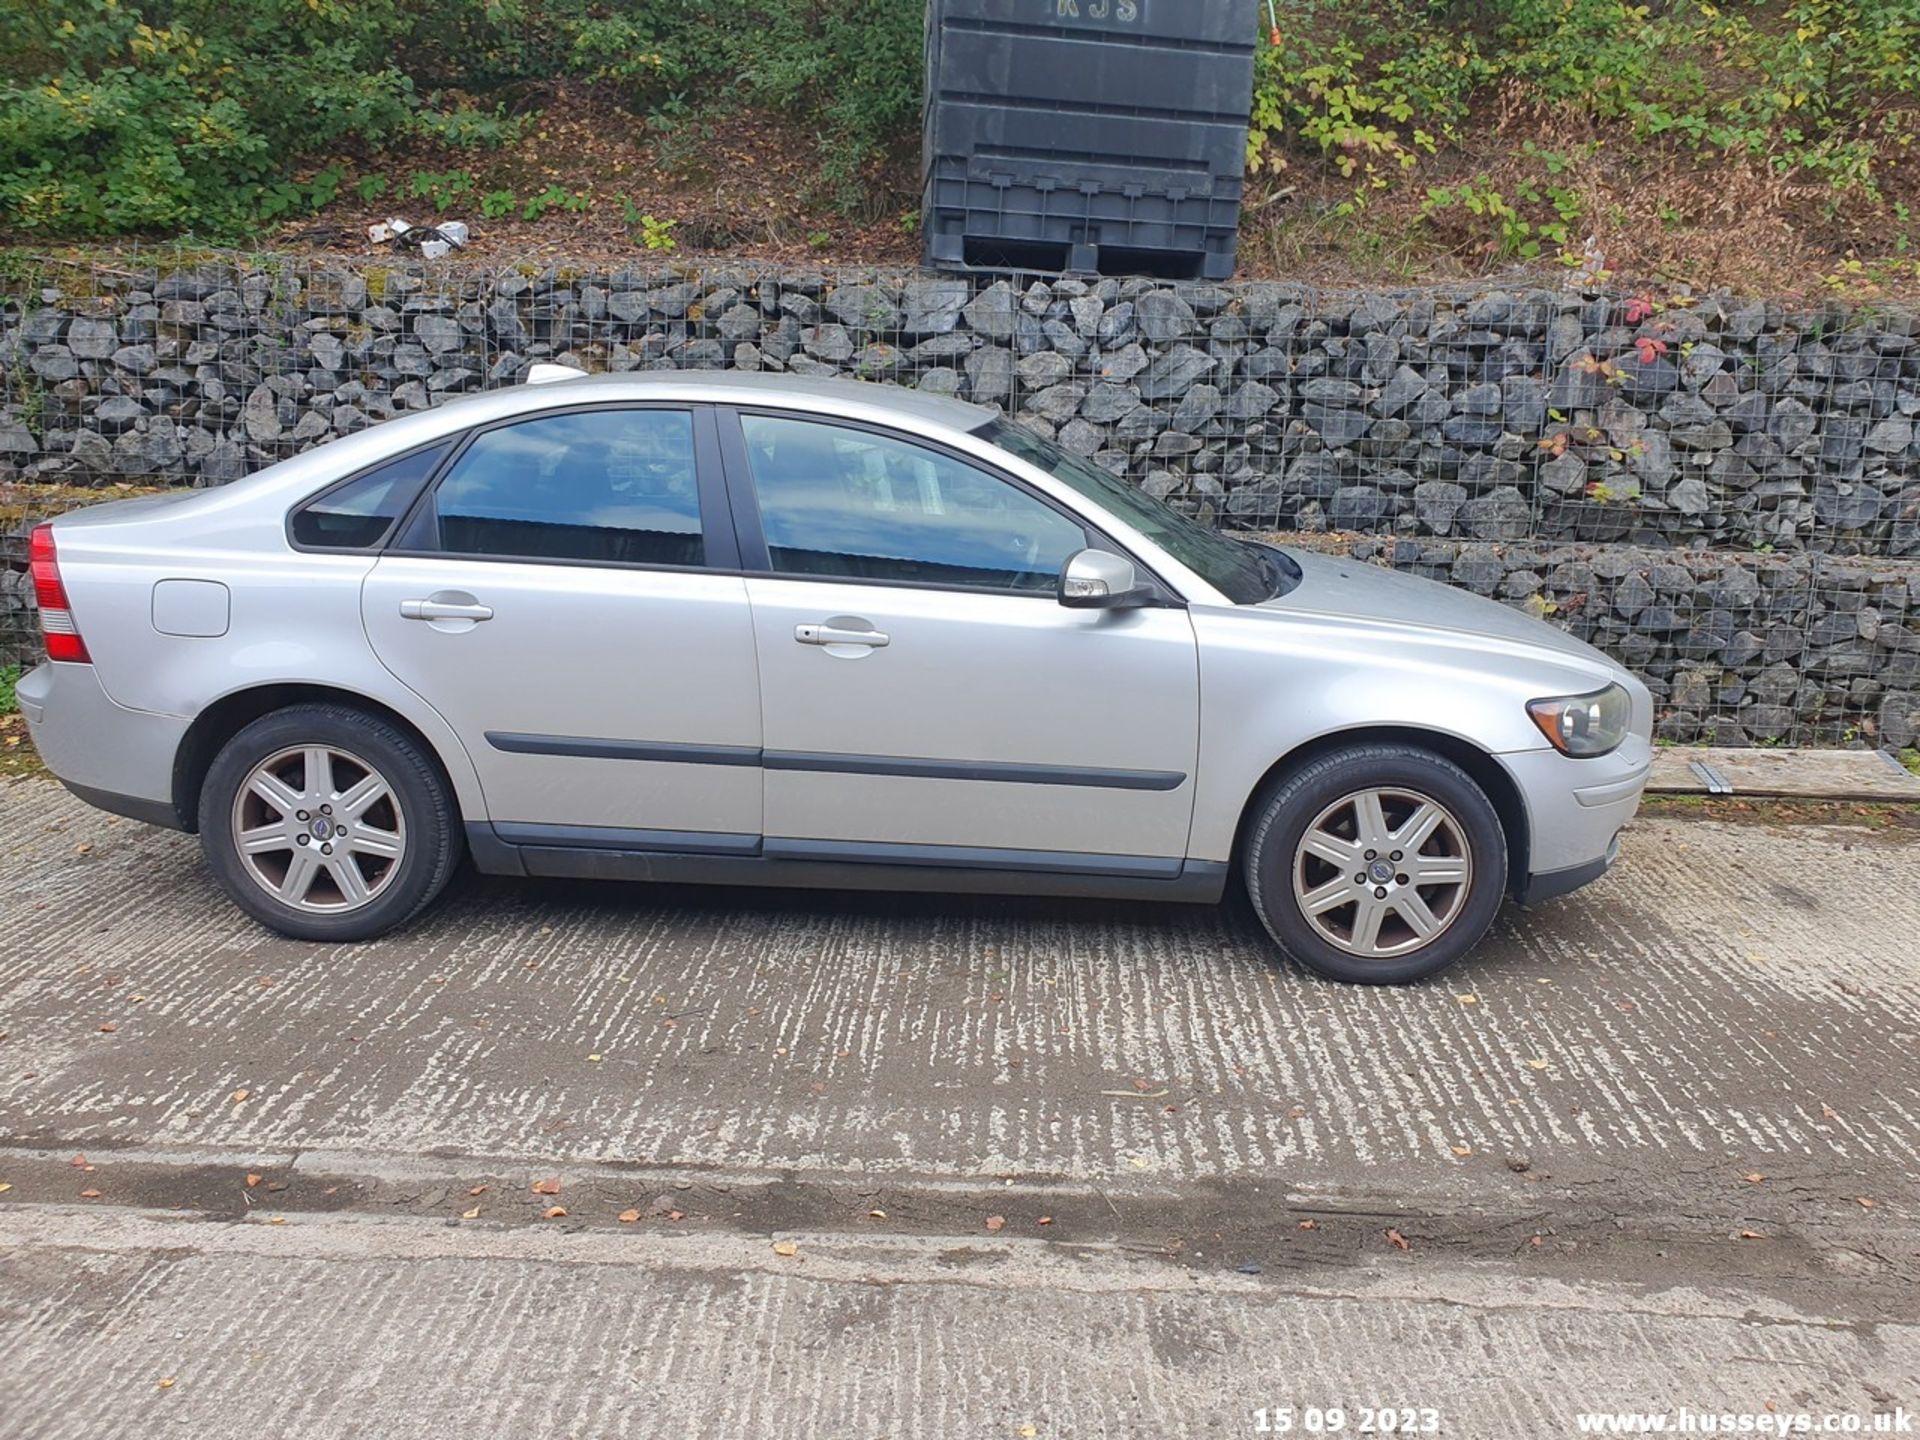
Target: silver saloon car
x: 730, y: 628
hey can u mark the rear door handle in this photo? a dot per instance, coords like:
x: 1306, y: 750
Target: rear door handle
x: 834, y: 635
x: 444, y: 610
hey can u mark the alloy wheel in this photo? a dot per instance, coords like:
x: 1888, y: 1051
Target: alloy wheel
x: 1382, y: 872
x: 319, y: 829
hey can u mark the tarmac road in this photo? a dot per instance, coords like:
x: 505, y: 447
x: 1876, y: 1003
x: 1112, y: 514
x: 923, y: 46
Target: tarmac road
x: 1091, y: 1168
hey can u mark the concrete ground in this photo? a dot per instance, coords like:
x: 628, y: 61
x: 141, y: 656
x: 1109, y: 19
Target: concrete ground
x: 904, y: 1166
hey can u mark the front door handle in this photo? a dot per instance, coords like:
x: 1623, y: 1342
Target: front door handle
x: 835, y: 635
x: 438, y: 609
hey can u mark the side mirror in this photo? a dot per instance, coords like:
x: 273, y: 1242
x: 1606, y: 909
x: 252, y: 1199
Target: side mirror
x: 1096, y: 580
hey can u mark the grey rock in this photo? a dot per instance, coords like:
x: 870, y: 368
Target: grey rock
x: 1198, y: 406
x: 117, y: 413
x: 54, y: 363
x: 989, y: 375
x: 1436, y: 503
x: 1335, y: 426
x: 932, y: 306
x: 136, y: 359
x: 261, y: 415
x: 991, y: 313
x: 1173, y: 373
x: 1690, y: 496
x: 1106, y: 403
x: 828, y: 343
x: 1123, y: 364
x: 1792, y: 424
x: 1325, y: 391
x: 92, y: 339
x: 738, y: 322
x: 438, y: 334
x: 1044, y: 368
x: 864, y: 307
x: 1356, y: 507
x: 1501, y: 514
x: 1162, y: 316
x: 1404, y: 387
x: 1058, y: 403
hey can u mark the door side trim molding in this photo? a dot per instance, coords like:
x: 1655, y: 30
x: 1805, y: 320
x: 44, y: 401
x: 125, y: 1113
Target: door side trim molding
x: 898, y: 766
x: 913, y: 767
x: 584, y: 747
x: 973, y: 857
x: 599, y: 837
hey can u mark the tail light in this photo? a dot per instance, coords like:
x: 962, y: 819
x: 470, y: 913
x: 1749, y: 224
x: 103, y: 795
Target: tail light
x: 56, y: 615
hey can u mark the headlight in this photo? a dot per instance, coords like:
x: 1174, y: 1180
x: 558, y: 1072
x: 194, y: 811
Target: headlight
x: 1584, y: 724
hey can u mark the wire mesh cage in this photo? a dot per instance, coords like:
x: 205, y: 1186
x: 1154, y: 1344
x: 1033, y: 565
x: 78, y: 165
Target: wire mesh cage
x: 1724, y: 494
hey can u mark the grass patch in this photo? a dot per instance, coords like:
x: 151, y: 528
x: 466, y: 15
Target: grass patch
x: 9, y: 677
x: 1892, y: 818
x: 17, y: 755
x: 1910, y: 757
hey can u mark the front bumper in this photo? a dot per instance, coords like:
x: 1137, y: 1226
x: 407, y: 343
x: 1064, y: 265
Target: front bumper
x: 1576, y: 810
x: 110, y: 756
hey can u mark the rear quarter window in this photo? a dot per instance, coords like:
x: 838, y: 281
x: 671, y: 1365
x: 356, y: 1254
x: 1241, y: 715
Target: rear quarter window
x: 361, y: 513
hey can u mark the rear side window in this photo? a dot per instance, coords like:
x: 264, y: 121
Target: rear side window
x: 359, y: 514
x: 613, y: 486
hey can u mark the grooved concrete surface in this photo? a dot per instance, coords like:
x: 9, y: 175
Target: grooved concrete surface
x: 395, y: 1328
x: 1562, y: 1129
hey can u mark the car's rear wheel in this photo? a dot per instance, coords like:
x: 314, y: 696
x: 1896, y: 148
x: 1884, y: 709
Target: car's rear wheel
x: 1376, y: 863
x: 326, y: 823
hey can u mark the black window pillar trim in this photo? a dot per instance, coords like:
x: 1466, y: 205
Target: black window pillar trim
x: 743, y: 500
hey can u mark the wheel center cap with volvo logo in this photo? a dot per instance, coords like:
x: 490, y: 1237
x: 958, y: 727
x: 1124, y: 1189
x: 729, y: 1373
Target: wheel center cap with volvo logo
x: 1381, y: 871
x: 322, y: 828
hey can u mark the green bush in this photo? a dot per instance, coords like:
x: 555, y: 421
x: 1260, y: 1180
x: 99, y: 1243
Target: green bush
x: 161, y: 116
x: 127, y: 117
x: 1828, y: 89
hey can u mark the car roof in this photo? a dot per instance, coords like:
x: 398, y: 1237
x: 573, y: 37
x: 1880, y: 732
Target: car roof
x: 738, y: 388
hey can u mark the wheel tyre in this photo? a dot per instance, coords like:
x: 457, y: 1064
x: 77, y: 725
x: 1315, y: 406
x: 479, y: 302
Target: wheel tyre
x: 1281, y: 820
x: 420, y: 791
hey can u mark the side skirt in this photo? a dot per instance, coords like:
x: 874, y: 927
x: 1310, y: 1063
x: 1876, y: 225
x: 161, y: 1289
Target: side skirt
x: 560, y: 852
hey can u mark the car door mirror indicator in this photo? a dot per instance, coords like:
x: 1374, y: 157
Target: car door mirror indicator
x: 1097, y: 580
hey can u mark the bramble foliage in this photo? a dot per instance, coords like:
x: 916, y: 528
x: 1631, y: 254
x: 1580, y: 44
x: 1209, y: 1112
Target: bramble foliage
x: 122, y: 116
x: 1824, y: 91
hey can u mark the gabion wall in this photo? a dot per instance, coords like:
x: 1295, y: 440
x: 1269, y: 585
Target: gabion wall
x: 1724, y: 493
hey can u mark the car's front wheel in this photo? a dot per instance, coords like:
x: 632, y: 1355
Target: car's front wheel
x: 1376, y: 863
x: 327, y: 823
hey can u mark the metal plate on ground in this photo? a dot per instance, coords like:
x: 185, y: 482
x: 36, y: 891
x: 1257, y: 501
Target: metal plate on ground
x: 1782, y: 774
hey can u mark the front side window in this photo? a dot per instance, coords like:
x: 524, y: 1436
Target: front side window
x: 1233, y: 567
x: 358, y: 514
x: 856, y: 505
x: 608, y: 486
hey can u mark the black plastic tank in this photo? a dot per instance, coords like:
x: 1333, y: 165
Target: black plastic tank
x: 1102, y: 136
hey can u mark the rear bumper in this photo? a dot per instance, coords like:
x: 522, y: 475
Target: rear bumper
x: 112, y: 757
